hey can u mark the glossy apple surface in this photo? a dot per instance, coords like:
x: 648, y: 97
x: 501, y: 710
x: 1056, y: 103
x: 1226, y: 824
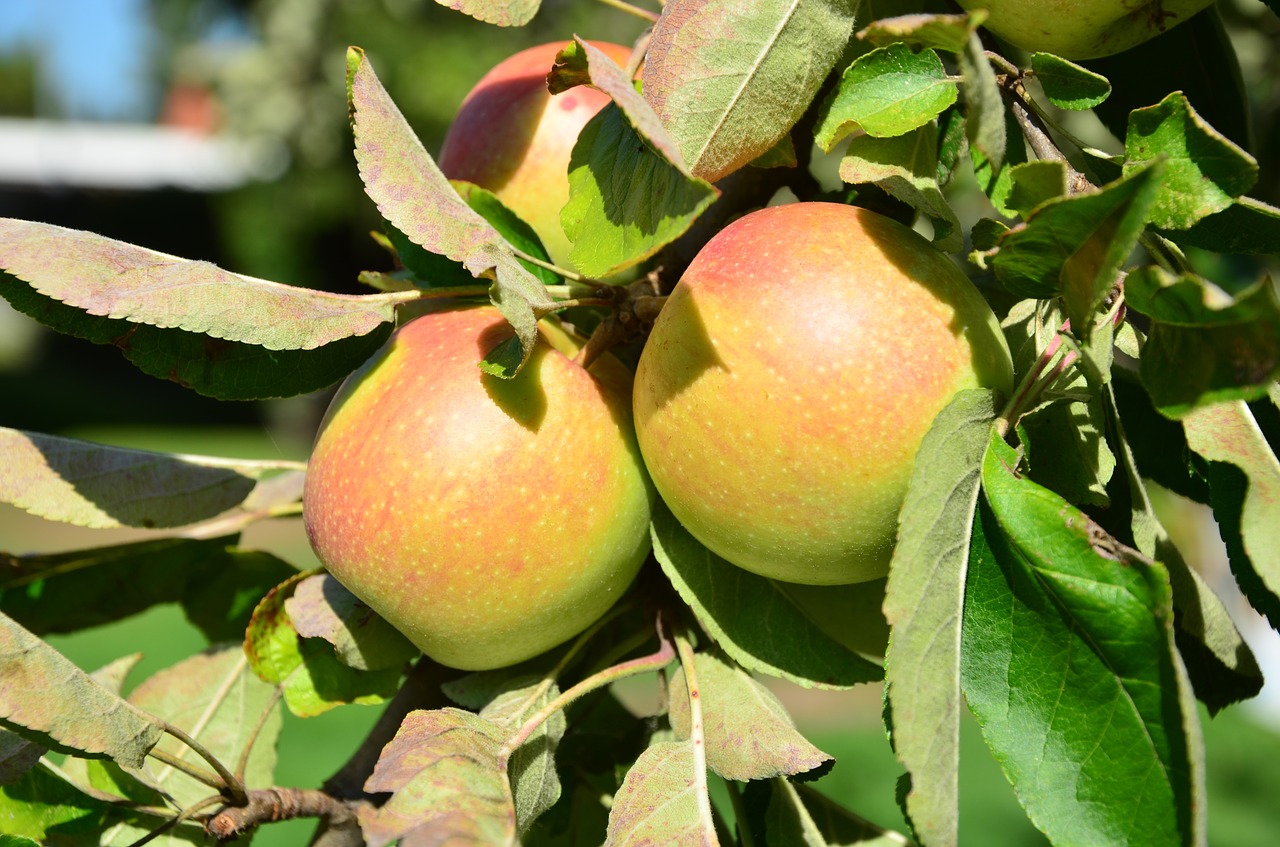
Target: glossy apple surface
x: 488, y: 520
x: 515, y: 139
x: 1082, y: 29
x: 790, y: 378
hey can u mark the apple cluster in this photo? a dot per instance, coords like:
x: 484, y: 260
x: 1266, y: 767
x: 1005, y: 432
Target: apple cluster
x: 776, y: 409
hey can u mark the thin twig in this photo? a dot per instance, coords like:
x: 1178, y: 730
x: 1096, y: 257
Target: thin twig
x: 622, y: 5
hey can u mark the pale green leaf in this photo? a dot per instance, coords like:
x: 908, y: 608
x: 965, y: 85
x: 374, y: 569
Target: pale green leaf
x: 906, y: 167
x: 887, y: 92
x: 216, y: 699
x: 729, y: 79
x: 777, y: 639
x: 112, y: 279
x: 1244, y: 477
x: 923, y: 604
x: 662, y: 801
x: 532, y: 769
x: 47, y: 699
x: 98, y: 486
x: 935, y: 31
x: 497, y: 12
x: 747, y: 730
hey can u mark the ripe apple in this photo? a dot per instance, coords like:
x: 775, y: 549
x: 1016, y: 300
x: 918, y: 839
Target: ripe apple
x: 1082, y: 30
x: 514, y: 138
x: 488, y: 520
x: 786, y: 386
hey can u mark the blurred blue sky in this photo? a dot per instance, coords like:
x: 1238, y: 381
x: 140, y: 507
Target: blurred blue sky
x: 93, y: 53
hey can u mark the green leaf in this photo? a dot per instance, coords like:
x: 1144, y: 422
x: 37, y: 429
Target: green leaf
x: 1204, y: 171
x: 1247, y: 226
x: 777, y: 639
x: 1074, y: 246
x: 47, y: 699
x: 102, y: 487
x: 42, y: 803
x: 1033, y: 183
x: 1244, y: 479
x: 1161, y: 452
x: 582, y: 63
x: 320, y: 607
x: 729, y: 79
x: 936, y: 32
x: 497, y: 12
x: 312, y: 678
x: 797, y: 815
x: 994, y: 176
x: 625, y: 201
x: 748, y: 732
x: 662, y: 801
x: 532, y: 768
x: 413, y: 196
x: 215, y: 698
x: 906, y: 167
x: 217, y: 584
x: 1069, y: 435
x: 986, y: 118
x: 887, y: 92
x: 443, y: 773
x: 1218, y: 660
x: 1206, y: 345
x: 1068, y: 85
x: 923, y: 604
x: 1068, y: 650
x: 225, y: 370
x: 111, y: 279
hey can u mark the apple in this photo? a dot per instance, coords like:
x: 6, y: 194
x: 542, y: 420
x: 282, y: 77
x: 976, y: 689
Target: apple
x: 514, y: 138
x: 787, y: 383
x: 488, y: 520
x: 1082, y: 29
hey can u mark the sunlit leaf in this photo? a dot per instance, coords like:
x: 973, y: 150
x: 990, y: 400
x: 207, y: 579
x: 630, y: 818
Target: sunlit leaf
x: 1068, y: 650
x: 99, y: 486
x: 625, y: 201
x: 320, y: 607
x: 938, y: 32
x: 923, y: 604
x: 226, y: 370
x: 446, y: 782
x: 887, y: 92
x: 47, y: 699
x: 748, y: 732
x: 1204, y: 170
x: 1244, y: 477
x: 777, y: 639
x: 906, y: 167
x: 1068, y: 85
x: 216, y: 699
x: 729, y: 79
x: 112, y: 279
x: 413, y: 195
x: 312, y: 678
x: 499, y: 12
x: 1074, y: 246
x: 662, y: 801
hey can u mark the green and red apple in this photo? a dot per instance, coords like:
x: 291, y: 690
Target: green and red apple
x: 1082, y: 29
x: 486, y: 519
x: 789, y: 380
x: 514, y: 138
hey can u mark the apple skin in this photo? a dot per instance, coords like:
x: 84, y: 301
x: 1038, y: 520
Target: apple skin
x: 786, y: 386
x: 1082, y: 29
x: 488, y: 520
x: 514, y: 138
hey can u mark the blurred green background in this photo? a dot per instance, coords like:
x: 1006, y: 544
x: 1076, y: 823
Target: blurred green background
x: 266, y: 78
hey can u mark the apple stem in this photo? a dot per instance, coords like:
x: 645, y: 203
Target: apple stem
x: 645, y: 664
x: 622, y: 5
